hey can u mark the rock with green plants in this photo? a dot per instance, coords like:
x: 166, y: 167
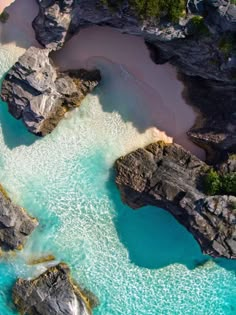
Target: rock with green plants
x: 169, y: 177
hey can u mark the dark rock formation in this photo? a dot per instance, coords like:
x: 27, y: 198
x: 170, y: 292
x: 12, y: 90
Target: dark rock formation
x: 202, y: 46
x: 53, y: 22
x: 52, y: 293
x: 215, y: 128
x: 195, y: 57
x: 169, y: 177
x: 220, y: 14
x: 40, y: 95
x: 15, y: 223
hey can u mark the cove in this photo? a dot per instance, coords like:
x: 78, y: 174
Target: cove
x: 66, y: 181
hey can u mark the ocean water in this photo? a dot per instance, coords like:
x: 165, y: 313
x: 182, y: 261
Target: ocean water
x: 136, y: 262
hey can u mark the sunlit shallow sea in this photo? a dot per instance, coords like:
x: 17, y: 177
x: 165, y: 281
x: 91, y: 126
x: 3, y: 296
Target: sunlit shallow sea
x: 136, y: 262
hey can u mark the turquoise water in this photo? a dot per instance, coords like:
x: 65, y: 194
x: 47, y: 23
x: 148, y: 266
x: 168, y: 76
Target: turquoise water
x: 137, y: 262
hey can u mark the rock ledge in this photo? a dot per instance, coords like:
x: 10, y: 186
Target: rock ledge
x: 40, y: 95
x: 15, y: 223
x: 169, y: 177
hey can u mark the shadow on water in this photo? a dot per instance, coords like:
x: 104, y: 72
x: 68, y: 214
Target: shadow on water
x: 154, y: 239
x: 113, y: 94
x: 14, y: 132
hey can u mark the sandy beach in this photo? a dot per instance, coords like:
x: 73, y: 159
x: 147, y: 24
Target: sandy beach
x: 18, y: 31
x: 4, y: 4
x: 160, y: 103
x: 159, y: 89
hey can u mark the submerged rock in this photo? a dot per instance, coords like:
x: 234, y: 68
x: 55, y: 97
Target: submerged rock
x: 15, y: 223
x: 40, y: 95
x: 169, y: 177
x: 52, y: 293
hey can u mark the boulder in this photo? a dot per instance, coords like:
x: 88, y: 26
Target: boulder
x: 52, y: 293
x: 15, y: 223
x: 40, y: 95
x: 53, y: 22
x: 169, y: 177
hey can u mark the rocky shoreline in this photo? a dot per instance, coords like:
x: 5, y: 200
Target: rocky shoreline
x: 15, y: 224
x: 202, y: 47
x: 169, y: 177
x: 53, y: 292
x: 40, y: 95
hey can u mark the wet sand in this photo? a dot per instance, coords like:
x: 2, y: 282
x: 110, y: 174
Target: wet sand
x: 160, y: 103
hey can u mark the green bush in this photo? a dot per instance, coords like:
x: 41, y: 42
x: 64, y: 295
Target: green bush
x: 229, y: 184
x: 216, y: 184
x: 212, y: 183
x: 227, y: 45
x: 174, y: 9
x: 199, y: 26
x: 4, y: 17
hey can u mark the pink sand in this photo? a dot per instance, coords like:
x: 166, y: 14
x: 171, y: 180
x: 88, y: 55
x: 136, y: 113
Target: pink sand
x: 4, y: 4
x: 18, y: 28
x: 160, y: 90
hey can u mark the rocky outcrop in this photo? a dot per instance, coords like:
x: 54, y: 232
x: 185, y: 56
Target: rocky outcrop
x: 53, y: 22
x: 15, y: 223
x: 195, y: 57
x: 215, y: 128
x: 169, y: 177
x: 52, y: 293
x: 40, y: 95
x: 220, y: 14
x: 202, y: 46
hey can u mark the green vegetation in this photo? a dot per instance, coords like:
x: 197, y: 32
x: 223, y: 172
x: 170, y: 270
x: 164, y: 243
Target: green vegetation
x: 174, y: 9
x: 4, y: 17
x: 233, y: 1
x: 198, y: 26
x: 216, y: 184
x: 227, y: 45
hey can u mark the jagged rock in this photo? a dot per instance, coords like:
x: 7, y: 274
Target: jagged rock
x: 215, y: 128
x: 53, y: 22
x: 193, y: 56
x: 221, y: 14
x: 196, y: 6
x: 40, y: 95
x: 52, y: 293
x: 15, y: 223
x: 228, y: 166
x: 169, y: 177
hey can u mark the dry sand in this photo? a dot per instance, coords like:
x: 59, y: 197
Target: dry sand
x: 159, y: 92
x: 4, y: 4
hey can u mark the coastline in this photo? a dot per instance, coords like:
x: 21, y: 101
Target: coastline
x: 168, y: 112
x: 163, y: 110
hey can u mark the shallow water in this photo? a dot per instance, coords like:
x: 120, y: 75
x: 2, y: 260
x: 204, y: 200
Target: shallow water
x: 137, y: 262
